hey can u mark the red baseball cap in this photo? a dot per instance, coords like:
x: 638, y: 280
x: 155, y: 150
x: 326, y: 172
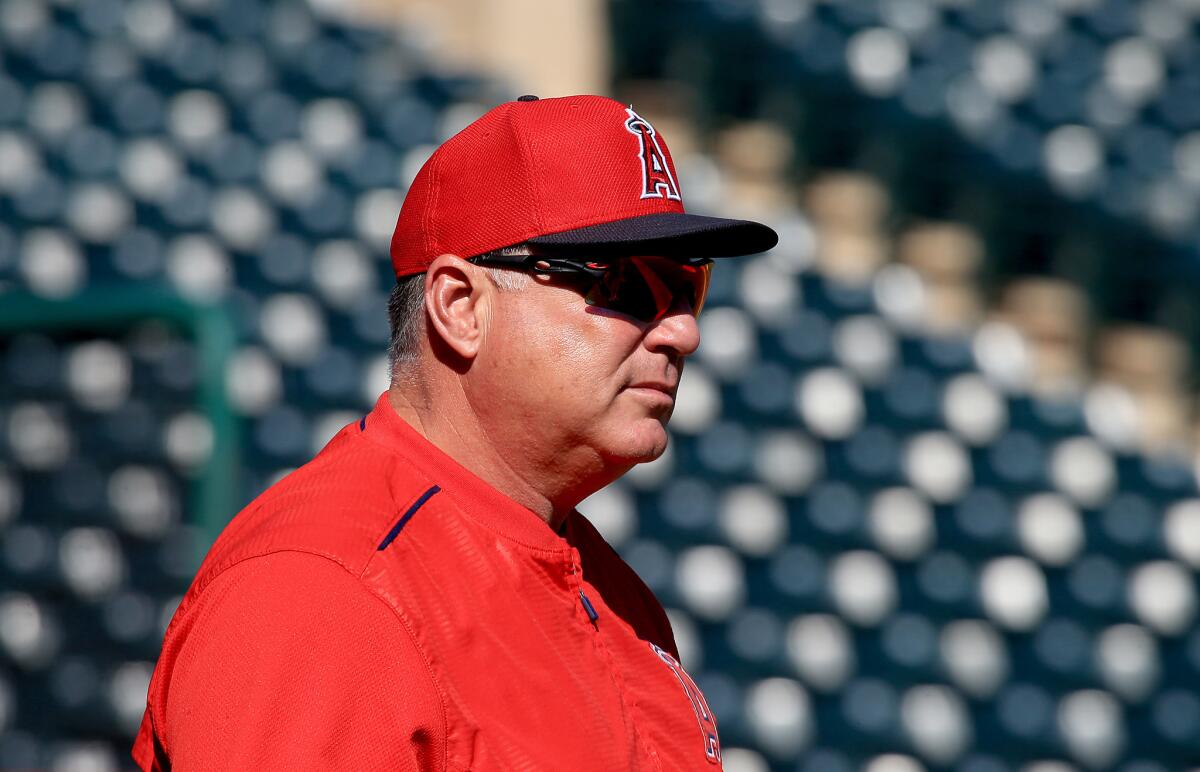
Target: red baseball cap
x: 579, y: 175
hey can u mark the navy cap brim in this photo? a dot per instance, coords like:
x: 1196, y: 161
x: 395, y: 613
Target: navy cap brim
x: 666, y: 233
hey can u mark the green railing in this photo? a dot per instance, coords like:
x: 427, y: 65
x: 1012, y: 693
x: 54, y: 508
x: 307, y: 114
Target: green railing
x: 212, y: 498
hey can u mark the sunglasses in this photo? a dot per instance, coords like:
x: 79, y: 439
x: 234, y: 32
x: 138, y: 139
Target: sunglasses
x: 645, y: 288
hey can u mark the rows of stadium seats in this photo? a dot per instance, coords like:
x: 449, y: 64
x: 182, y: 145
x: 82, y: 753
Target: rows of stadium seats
x: 245, y: 155
x: 898, y: 553
x: 882, y: 517
x: 1060, y: 199
x: 1096, y: 95
x: 100, y: 435
x: 170, y: 127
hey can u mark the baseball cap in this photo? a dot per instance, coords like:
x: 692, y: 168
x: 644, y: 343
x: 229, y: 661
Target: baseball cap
x: 580, y: 175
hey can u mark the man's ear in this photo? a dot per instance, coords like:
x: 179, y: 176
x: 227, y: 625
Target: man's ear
x: 455, y: 299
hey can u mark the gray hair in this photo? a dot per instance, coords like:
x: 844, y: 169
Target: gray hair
x: 406, y: 313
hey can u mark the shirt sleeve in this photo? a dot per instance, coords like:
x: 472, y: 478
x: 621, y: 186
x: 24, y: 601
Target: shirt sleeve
x: 290, y: 662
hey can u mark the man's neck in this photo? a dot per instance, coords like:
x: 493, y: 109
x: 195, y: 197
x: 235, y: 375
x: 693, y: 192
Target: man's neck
x: 448, y: 422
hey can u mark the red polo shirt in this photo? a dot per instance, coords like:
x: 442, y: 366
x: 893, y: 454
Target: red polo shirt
x: 383, y: 608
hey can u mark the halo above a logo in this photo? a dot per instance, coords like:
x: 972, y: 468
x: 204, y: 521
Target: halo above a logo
x: 657, y: 180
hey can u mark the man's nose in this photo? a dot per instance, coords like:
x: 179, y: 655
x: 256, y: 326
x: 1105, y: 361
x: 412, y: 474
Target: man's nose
x: 678, y: 331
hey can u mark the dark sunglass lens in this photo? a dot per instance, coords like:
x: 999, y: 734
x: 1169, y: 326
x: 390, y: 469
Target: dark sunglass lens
x: 638, y: 291
x: 623, y: 289
x: 646, y: 292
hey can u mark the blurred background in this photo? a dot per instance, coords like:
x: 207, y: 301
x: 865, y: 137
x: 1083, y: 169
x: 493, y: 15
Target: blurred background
x: 931, y: 501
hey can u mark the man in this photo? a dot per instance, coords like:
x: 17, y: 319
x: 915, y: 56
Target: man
x: 423, y: 595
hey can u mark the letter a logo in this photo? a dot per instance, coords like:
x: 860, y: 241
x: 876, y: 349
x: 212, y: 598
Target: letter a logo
x: 657, y: 181
x: 704, y: 716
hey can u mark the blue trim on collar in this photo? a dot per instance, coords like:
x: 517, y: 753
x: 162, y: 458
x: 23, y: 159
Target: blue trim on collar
x: 392, y: 534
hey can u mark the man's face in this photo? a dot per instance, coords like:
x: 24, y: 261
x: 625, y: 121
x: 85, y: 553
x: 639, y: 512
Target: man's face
x: 575, y: 380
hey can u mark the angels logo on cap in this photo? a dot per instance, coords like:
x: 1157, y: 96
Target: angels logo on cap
x: 564, y: 175
x: 657, y: 181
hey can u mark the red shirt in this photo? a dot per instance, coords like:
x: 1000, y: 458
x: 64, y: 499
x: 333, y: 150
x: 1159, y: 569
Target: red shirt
x: 383, y: 608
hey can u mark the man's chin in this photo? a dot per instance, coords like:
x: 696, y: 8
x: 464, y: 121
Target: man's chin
x: 646, y: 445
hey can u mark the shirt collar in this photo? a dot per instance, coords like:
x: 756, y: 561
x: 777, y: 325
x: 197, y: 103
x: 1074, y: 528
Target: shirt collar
x: 476, y: 499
